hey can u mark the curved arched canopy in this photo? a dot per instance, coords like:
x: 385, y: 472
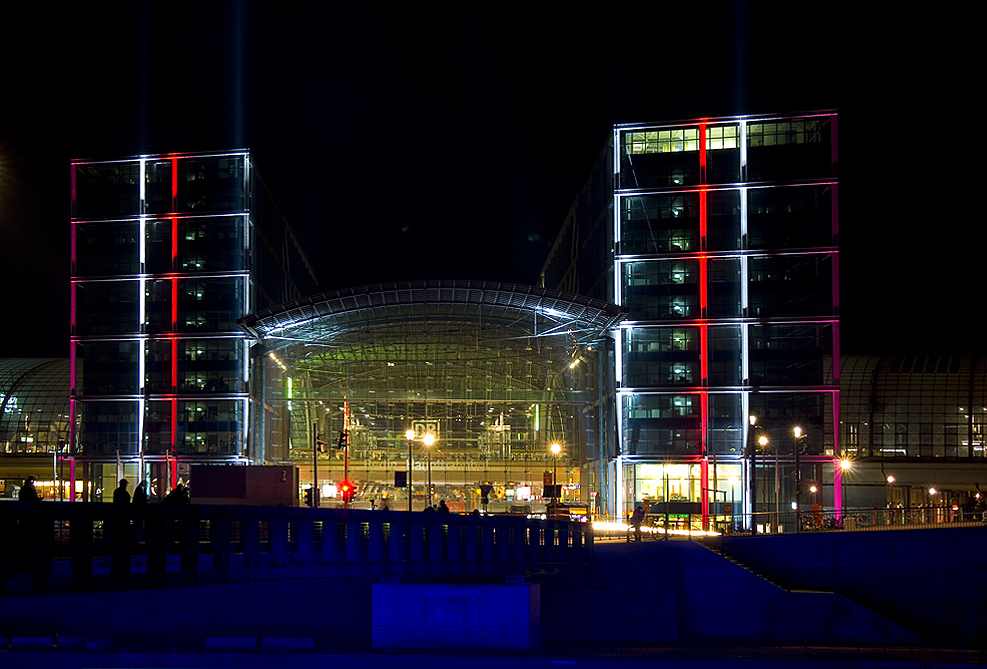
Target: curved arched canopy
x: 319, y: 317
x: 496, y: 369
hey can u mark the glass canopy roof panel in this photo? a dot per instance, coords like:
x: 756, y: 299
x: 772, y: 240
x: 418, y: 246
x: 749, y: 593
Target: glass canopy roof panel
x: 542, y: 309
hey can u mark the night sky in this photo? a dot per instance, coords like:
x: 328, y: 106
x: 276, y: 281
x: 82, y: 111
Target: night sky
x: 417, y: 143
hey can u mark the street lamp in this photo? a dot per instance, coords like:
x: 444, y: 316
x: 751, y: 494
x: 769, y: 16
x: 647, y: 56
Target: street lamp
x: 798, y: 482
x: 555, y: 449
x: 752, y: 453
x: 890, y: 498
x: 845, y: 465
x: 762, y: 441
x: 428, y: 440
x: 409, y: 434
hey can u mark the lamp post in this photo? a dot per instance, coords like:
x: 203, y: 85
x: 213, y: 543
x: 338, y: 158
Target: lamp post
x: 798, y: 483
x: 762, y: 441
x: 752, y: 455
x: 890, y: 496
x: 410, y: 436
x: 428, y: 440
x: 556, y: 449
x: 845, y: 465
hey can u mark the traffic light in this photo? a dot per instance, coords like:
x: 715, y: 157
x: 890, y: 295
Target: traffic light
x: 346, y: 491
x: 309, y: 497
x: 343, y: 439
x: 320, y: 443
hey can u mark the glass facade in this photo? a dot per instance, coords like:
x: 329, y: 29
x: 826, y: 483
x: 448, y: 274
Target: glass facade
x: 495, y: 372
x: 166, y: 256
x: 726, y: 252
x: 34, y: 405
x: 909, y: 407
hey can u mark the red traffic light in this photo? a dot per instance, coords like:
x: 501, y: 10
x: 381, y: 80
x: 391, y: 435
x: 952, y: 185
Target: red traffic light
x: 346, y: 491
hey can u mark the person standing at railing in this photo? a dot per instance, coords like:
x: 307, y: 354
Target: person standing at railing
x: 28, y: 493
x: 140, y: 493
x: 120, y: 495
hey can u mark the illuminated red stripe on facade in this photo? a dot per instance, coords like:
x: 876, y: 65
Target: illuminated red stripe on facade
x: 174, y: 182
x: 702, y: 146
x: 703, y: 334
x: 174, y: 426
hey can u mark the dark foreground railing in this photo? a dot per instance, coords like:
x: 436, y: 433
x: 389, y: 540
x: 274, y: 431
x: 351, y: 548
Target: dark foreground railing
x: 79, y: 547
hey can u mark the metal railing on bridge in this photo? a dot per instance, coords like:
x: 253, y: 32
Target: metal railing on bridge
x: 73, y: 547
x: 692, y: 526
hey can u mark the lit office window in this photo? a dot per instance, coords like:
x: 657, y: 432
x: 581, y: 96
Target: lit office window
x: 807, y: 131
x: 722, y: 137
x: 662, y: 141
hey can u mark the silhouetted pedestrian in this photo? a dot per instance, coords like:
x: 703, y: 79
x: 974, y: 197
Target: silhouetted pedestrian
x: 430, y: 508
x: 635, y: 522
x: 120, y: 495
x: 140, y: 493
x: 28, y: 492
x: 29, y: 532
x: 442, y: 506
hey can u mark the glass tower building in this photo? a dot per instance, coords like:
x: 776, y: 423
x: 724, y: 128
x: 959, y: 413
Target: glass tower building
x: 720, y: 238
x: 168, y: 251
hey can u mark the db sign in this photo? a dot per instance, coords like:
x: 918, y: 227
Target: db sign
x: 423, y: 427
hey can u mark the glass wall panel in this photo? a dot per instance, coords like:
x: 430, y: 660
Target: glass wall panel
x: 158, y: 185
x: 157, y: 366
x: 790, y: 217
x: 159, y: 305
x: 789, y: 354
x: 664, y: 356
x: 657, y: 483
x: 157, y: 427
x: 723, y: 275
x: 158, y: 246
x: 662, y: 289
x: 725, y: 368
x: 34, y: 401
x: 659, y: 223
x: 662, y: 424
x: 105, y: 249
x: 111, y: 367
x: 210, y: 365
x: 209, y: 304
x: 789, y: 150
x: 657, y: 158
x: 723, y: 220
x: 211, y: 184
x: 108, y: 307
x: 209, y: 426
x: 723, y: 154
x: 210, y: 244
x: 796, y: 285
x: 107, y: 190
x: 726, y: 424
x: 108, y: 427
x: 779, y: 413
